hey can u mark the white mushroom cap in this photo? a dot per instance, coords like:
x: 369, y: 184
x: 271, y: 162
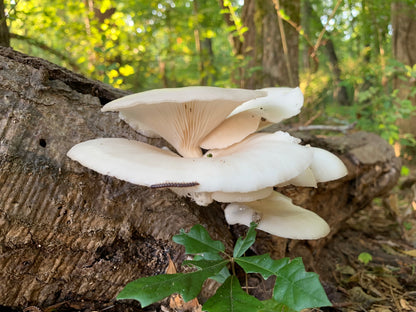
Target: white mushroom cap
x: 325, y: 167
x: 256, y: 163
x: 279, y: 104
x: 224, y: 197
x: 232, y: 130
x: 138, y: 127
x: 278, y: 216
x: 182, y: 116
x: 305, y: 179
x: 206, y: 198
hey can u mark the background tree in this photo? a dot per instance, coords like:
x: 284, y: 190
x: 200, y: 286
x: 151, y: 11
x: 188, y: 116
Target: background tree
x: 404, y: 51
x: 346, y: 49
x: 269, y: 46
x: 4, y: 30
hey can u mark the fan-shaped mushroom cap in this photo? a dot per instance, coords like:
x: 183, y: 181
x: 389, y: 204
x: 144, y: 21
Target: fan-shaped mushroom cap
x: 325, y: 167
x: 305, y: 179
x: 278, y: 216
x: 279, y: 104
x: 232, y: 130
x: 224, y: 197
x: 182, y: 116
x: 253, y: 164
x: 206, y: 198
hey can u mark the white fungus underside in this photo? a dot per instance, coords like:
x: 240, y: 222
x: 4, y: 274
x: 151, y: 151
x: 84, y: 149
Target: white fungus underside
x: 278, y: 216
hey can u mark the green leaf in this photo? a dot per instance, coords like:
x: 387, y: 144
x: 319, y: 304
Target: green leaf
x: 243, y: 244
x: 198, y: 241
x: 404, y: 172
x: 231, y: 298
x: 365, y: 257
x: 207, y: 256
x: 262, y: 264
x: 299, y: 289
x: 220, y: 277
x: 151, y: 289
x: 272, y: 305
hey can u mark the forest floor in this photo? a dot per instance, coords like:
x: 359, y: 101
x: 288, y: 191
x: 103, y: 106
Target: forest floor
x: 386, y: 230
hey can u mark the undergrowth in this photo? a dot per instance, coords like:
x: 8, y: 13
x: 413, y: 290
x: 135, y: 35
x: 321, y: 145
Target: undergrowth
x: 294, y: 289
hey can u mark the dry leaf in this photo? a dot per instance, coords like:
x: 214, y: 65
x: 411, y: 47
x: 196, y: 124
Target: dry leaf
x: 176, y: 302
x: 171, y: 269
x: 405, y: 305
x: 411, y: 253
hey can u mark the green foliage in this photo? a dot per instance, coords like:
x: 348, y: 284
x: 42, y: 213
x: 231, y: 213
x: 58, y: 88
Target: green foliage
x: 154, y: 288
x: 404, y: 171
x: 298, y: 289
x: 294, y: 289
x: 407, y: 225
x: 198, y: 241
x: 377, y: 104
x: 130, y: 44
x: 230, y: 297
x: 140, y: 45
x: 365, y: 257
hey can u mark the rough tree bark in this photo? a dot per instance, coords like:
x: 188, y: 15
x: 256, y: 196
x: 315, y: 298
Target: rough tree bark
x: 4, y: 30
x: 70, y: 234
x: 403, y: 15
x: 262, y: 45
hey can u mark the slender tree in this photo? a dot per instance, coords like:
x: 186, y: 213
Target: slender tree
x: 404, y: 50
x: 4, y: 30
x: 269, y: 45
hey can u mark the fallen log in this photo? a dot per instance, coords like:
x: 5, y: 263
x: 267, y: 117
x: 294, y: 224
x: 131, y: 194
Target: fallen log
x: 70, y: 234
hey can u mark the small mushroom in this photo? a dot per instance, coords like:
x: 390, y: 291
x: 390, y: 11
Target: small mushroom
x: 324, y: 167
x: 205, y: 198
x: 277, y: 215
x: 278, y: 104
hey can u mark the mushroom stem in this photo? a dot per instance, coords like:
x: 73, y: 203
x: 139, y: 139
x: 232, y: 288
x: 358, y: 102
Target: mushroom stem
x: 190, y: 151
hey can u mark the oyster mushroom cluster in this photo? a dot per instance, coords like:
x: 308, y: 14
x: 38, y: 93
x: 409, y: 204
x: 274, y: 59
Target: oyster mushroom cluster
x: 218, y: 153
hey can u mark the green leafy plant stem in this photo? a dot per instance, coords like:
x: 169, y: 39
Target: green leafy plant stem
x: 294, y: 289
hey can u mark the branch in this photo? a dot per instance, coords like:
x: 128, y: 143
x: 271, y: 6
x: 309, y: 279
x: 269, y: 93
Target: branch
x: 318, y: 42
x: 343, y: 129
x: 284, y: 41
x: 231, y: 21
x: 299, y: 28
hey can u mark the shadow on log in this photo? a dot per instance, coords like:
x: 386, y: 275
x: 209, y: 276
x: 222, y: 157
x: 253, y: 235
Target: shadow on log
x: 70, y: 234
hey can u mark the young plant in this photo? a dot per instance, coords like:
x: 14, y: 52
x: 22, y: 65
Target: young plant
x: 294, y: 289
x: 365, y: 257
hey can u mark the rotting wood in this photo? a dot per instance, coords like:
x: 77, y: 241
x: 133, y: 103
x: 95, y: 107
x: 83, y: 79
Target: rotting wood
x: 70, y: 234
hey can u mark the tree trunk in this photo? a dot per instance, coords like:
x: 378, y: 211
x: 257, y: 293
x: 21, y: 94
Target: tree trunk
x: 69, y: 234
x: 262, y: 47
x: 404, y: 50
x: 340, y: 91
x: 4, y: 30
